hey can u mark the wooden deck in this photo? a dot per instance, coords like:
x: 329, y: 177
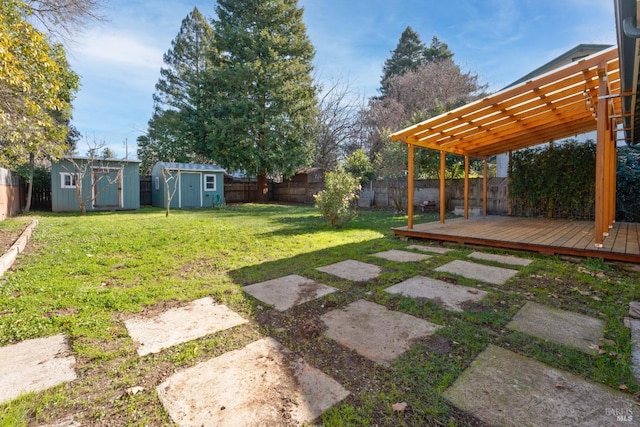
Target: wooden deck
x: 549, y: 236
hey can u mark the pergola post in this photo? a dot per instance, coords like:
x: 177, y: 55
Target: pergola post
x: 608, y: 202
x: 466, y: 187
x: 443, y: 170
x: 485, y: 185
x: 601, y: 147
x: 611, y: 189
x: 614, y: 173
x: 410, y: 186
x: 509, y: 204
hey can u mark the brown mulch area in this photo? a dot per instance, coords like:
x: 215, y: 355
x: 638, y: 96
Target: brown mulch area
x: 9, y: 236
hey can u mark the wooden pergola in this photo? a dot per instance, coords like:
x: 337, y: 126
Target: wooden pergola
x: 582, y: 97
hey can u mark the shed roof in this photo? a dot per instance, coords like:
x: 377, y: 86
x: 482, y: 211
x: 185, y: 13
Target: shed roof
x: 97, y: 160
x: 195, y: 167
x: 559, y: 104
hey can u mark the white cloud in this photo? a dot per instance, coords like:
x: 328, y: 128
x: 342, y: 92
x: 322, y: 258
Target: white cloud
x: 121, y: 48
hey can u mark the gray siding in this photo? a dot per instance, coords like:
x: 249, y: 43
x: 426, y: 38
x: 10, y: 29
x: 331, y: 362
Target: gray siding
x: 192, y: 190
x: 64, y: 199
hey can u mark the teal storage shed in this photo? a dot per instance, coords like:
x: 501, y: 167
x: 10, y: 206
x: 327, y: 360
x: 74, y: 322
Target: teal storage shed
x: 107, y: 184
x: 187, y: 185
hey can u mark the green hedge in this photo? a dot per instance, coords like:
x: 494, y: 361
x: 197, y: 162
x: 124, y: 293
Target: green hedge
x: 628, y: 191
x: 557, y: 181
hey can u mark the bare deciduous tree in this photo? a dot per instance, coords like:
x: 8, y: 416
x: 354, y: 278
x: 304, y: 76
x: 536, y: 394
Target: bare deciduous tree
x: 80, y: 168
x: 391, y: 164
x: 168, y: 177
x: 61, y: 18
x: 337, y: 124
x: 434, y: 88
x: 417, y: 95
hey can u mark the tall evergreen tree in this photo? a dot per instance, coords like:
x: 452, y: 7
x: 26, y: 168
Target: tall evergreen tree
x: 263, y: 92
x: 179, y: 122
x: 437, y: 51
x: 410, y: 54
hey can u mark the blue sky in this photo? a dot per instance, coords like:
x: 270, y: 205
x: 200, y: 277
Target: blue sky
x: 501, y: 40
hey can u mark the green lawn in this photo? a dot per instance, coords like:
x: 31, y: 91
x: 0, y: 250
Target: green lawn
x: 84, y: 275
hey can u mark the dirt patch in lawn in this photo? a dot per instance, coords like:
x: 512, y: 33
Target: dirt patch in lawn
x: 9, y: 235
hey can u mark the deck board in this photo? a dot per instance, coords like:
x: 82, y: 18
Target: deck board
x: 554, y: 236
x: 633, y: 243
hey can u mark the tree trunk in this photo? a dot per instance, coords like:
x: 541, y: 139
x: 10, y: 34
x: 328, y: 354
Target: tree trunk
x: 27, y: 203
x: 263, y: 187
x: 81, y: 204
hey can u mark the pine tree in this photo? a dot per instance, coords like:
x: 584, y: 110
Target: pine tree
x: 438, y: 51
x: 179, y: 122
x: 410, y: 54
x: 263, y: 95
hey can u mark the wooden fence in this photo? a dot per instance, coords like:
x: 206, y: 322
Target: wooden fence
x: 145, y: 191
x: 40, y: 198
x: 379, y: 193
x: 296, y: 192
x: 10, y: 201
x: 240, y: 191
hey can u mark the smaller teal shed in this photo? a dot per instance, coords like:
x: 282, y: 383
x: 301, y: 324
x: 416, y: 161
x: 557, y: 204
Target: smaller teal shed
x: 107, y: 184
x: 187, y: 185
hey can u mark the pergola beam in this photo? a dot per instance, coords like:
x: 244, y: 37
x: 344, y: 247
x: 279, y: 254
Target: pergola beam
x: 610, y: 54
x: 524, y: 106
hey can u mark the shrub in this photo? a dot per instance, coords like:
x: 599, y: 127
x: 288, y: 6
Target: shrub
x: 337, y: 202
x: 628, y: 180
x: 359, y: 165
x: 557, y: 182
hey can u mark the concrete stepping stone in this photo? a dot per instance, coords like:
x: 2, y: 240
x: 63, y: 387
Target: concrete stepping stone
x: 352, y: 270
x: 435, y: 249
x: 374, y: 331
x: 634, y: 309
x: 35, y: 365
x: 178, y: 325
x: 262, y: 384
x: 401, y: 256
x: 503, y: 259
x: 453, y: 297
x: 634, y: 325
x: 285, y: 292
x: 507, y: 389
x: 484, y: 273
x: 559, y: 326
x: 67, y: 422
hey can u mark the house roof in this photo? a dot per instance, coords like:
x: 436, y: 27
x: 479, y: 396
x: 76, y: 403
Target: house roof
x: 558, y: 104
x: 628, y: 44
x: 580, y: 51
x: 189, y: 167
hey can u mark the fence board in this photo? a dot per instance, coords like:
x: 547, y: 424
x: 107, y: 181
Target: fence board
x: 145, y: 191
